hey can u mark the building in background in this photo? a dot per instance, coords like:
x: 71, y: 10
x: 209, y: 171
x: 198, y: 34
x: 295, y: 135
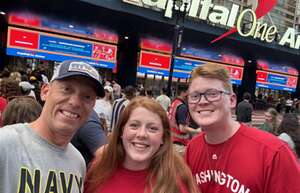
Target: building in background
x: 145, y: 31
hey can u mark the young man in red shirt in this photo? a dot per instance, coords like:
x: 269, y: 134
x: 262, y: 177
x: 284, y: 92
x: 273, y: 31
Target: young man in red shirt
x: 228, y: 156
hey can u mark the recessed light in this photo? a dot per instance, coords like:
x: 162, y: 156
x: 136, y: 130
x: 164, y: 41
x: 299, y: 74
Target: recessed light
x: 126, y: 37
x: 71, y: 26
x: 2, y: 13
x: 249, y: 61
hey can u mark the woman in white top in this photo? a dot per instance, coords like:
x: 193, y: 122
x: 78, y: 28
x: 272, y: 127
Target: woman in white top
x: 289, y: 131
x: 103, y: 106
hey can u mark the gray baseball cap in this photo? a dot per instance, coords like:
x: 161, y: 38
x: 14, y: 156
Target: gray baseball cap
x: 71, y: 68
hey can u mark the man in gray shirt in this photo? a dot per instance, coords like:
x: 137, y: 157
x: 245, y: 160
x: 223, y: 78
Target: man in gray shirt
x: 37, y: 157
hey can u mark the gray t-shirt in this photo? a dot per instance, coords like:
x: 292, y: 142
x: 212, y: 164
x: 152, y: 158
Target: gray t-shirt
x: 30, y: 164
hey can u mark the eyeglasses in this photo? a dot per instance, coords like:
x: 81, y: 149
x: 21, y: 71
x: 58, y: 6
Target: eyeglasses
x: 209, y: 95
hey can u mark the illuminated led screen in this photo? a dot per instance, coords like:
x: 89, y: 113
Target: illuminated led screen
x: 276, y: 81
x: 47, y: 46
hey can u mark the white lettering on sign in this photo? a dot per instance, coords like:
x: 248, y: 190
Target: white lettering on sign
x: 217, y: 14
x: 290, y: 38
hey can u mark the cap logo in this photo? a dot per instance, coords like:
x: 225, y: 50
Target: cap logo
x: 84, y: 68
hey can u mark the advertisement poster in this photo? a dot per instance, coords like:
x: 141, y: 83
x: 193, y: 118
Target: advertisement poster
x: 154, y: 63
x: 40, y: 45
x: 276, y: 81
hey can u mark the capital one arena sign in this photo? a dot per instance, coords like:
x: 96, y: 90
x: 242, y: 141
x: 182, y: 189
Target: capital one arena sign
x: 230, y: 17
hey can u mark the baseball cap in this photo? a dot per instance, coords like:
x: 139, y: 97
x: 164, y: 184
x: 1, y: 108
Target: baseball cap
x: 26, y: 85
x: 108, y: 88
x: 69, y: 68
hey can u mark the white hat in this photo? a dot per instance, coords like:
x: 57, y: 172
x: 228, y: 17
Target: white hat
x: 108, y: 88
x: 26, y: 85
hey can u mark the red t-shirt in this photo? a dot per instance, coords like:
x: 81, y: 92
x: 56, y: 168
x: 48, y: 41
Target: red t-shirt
x: 125, y: 181
x: 3, y: 103
x: 251, y: 161
x: 128, y: 181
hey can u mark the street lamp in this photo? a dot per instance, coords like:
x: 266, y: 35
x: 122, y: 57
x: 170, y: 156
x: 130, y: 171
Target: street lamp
x: 179, y: 11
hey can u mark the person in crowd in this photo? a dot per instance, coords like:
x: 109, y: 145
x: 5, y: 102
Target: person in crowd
x: 149, y: 94
x: 179, y: 120
x: 142, y: 92
x: 163, y: 99
x: 271, y: 121
x: 244, y: 110
x: 37, y: 156
x: 116, y: 89
x: 289, y: 131
x: 229, y: 156
x: 90, y: 137
x: 120, y: 104
x: 27, y: 89
x: 4, y: 73
x: 297, y: 107
x: 139, y: 157
x: 103, y: 107
x: 22, y: 109
x: 3, y: 104
x: 288, y: 105
x: 36, y: 80
x: 9, y: 88
x: 15, y: 76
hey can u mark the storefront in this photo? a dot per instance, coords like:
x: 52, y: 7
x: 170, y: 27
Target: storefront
x: 143, y: 34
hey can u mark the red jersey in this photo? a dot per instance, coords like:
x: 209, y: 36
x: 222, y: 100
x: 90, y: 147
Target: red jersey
x: 251, y: 161
x: 127, y: 181
x: 177, y: 134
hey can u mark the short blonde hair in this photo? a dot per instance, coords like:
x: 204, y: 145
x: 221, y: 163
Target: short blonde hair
x: 213, y: 70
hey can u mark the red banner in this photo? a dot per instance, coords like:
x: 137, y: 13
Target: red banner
x: 292, y: 81
x: 155, y: 60
x: 231, y: 59
x: 155, y: 44
x: 235, y: 72
x: 22, y: 38
x: 261, y: 76
x: 104, y: 35
x: 25, y: 20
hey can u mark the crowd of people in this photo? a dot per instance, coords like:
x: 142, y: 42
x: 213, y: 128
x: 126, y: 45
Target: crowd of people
x: 80, y: 133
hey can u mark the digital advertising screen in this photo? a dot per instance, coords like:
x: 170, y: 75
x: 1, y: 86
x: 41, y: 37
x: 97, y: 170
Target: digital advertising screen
x: 267, y: 66
x: 40, y: 45
x: 154, y: 63
x: 236, y: 74
x: 48, y: 24
x: 275, y: 81
x: 205, y: 54
x: 184, y: 66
